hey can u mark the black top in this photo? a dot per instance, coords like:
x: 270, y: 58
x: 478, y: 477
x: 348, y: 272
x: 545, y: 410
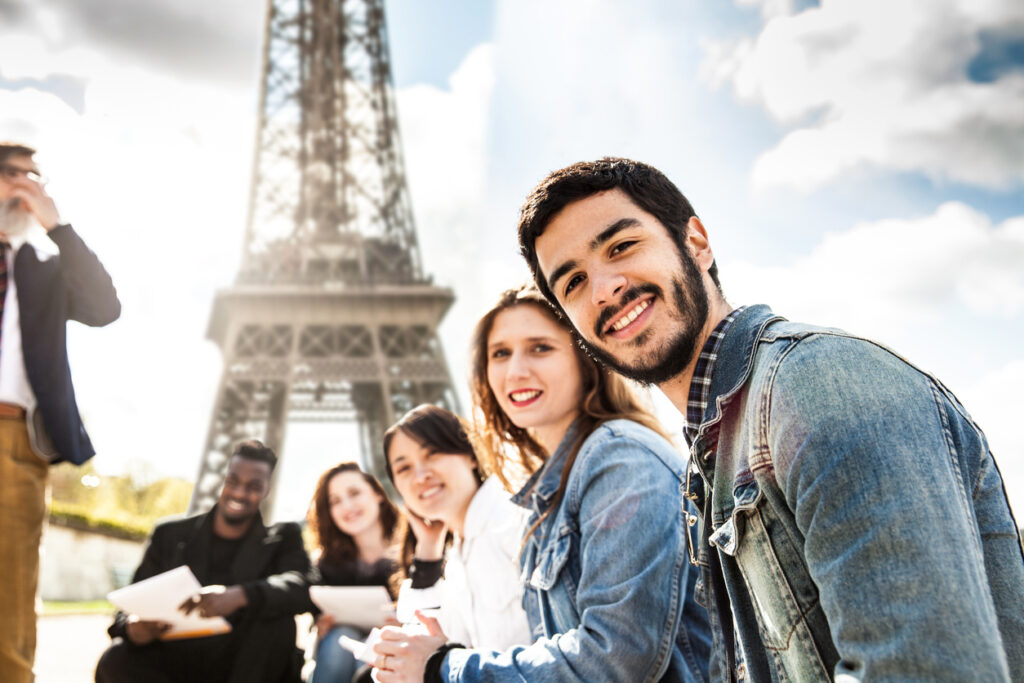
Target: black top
x: 222, y: 558
x: 269, y: 563
x: 356, y: 573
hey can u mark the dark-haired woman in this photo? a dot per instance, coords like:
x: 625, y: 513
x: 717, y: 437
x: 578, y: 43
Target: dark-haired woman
x: 353, y: 524
x: 435, y: 469
x: 609, y: 586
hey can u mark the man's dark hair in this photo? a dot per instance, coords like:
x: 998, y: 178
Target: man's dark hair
x: 645, y: 185
x: 253, y: 449
x: 14, y: 149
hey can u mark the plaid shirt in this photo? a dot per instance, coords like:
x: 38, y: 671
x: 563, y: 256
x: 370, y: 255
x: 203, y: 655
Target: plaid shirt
x: 700, y: 385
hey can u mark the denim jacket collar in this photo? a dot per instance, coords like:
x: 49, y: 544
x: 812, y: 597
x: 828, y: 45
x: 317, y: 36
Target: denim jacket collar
x: 540, y: 488
x: 732, y: 368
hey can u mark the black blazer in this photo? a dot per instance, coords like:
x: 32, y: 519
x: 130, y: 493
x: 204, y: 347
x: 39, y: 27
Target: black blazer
x: 271, y: 565
x: 71, y: 286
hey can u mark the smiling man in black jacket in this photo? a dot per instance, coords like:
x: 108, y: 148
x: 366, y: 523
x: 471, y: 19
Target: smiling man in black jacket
x: 253, y: 575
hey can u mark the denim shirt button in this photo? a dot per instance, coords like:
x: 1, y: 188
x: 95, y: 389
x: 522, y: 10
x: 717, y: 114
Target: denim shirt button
x: 741, y: 671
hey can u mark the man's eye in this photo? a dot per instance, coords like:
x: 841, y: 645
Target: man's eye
x: 621, y: 247
x: 573, y: 282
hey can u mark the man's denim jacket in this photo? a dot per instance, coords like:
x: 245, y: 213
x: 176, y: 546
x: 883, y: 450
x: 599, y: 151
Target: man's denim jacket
x: 609, y: 586
x: 860, y: 522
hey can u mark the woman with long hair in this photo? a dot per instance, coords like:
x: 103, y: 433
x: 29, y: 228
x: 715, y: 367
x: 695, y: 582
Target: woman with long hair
x: 434, y: 467
x: 353, y: 524
x: 609, y: 584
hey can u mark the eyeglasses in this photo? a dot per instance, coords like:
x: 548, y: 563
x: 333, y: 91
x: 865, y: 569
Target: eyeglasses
x: 9, y: 172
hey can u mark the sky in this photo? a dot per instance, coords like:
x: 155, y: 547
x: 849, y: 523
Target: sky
x: 857, y: 163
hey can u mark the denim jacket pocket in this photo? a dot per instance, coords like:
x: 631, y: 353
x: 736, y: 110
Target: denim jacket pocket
x: 781, y: 615
x: 550, y: 561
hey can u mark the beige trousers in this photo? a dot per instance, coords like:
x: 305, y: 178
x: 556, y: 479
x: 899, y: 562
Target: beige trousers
x: 22, y: 510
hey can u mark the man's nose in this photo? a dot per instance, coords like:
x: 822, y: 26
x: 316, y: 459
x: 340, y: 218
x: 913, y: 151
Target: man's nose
x: 605, y: 286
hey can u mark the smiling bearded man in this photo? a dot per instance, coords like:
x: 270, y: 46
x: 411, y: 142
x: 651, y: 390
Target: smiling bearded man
x: 253, y: 575
x: 855, y: 525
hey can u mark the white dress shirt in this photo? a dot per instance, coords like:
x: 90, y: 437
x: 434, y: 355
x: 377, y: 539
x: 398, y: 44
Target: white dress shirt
x: 14, y: 386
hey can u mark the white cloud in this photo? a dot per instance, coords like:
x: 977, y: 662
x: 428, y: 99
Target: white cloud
x: 898, y: 273
x: 881, y: 84
x: 210, y: 40
x: 153, y: 172
x: 445, y: 135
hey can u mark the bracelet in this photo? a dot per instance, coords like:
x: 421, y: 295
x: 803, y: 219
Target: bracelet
x: 432, y: 669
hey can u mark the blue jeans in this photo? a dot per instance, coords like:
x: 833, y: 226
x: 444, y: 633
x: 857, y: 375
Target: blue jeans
x: 335, y: 664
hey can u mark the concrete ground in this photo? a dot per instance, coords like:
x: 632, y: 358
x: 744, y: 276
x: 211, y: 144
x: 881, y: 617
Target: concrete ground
x: 67, y: 647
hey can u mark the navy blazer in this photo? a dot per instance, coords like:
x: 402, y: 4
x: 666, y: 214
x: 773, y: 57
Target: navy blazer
x: 70, y: 286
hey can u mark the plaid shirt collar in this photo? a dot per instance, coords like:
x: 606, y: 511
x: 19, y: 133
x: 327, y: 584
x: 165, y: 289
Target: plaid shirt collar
x: 700, y: 385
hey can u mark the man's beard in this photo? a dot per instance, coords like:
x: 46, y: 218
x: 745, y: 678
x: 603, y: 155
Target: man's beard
x: 671, y: 358
x: 15, y: 221
x: 238, y: 520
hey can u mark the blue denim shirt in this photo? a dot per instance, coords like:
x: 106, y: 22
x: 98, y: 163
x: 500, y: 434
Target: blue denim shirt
x: 609, y: 587
x: 860, y: 522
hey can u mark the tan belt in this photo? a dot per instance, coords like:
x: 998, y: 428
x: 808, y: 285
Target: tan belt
x: 11, y: 411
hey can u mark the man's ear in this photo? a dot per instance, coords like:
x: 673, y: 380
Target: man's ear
x: 698, y: 245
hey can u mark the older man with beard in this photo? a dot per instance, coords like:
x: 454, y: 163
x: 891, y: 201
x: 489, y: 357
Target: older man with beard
x: 39, y: 420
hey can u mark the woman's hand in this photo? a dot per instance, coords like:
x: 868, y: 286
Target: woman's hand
x: 401, y: 657
x: 430, y: 535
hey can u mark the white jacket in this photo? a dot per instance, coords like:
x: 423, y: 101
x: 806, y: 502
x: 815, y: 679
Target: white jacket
x: 480, y: 596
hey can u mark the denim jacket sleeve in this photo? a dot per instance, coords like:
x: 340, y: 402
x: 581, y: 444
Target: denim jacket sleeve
x: 627, y: 504
x: 866, y: 456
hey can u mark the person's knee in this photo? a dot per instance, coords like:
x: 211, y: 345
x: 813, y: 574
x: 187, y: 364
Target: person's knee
x: 334, y: 662
x: 116, y: 663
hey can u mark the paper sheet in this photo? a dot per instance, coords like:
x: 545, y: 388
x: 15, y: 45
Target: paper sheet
x: 362, y: 606
x: 157, y: 599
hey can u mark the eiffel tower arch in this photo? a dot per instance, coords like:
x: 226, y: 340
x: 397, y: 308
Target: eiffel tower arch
x: 331, y: 317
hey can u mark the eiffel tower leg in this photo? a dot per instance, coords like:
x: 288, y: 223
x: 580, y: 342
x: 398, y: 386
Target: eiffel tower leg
x: 277, y: 421
x: 229, y: 410
x: 244, y: 409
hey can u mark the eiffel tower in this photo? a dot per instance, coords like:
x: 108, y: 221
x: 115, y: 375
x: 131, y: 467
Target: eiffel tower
x: 331, y: 317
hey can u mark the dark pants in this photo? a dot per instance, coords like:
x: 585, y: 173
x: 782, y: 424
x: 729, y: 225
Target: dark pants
x: 254, y: 652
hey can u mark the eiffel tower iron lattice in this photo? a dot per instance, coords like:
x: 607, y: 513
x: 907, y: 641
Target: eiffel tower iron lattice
x: 331, y: 317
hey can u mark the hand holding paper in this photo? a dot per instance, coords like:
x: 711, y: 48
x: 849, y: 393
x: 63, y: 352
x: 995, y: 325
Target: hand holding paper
x: 158, y: 598
x: 215, y: 601
x: 144, y: 632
